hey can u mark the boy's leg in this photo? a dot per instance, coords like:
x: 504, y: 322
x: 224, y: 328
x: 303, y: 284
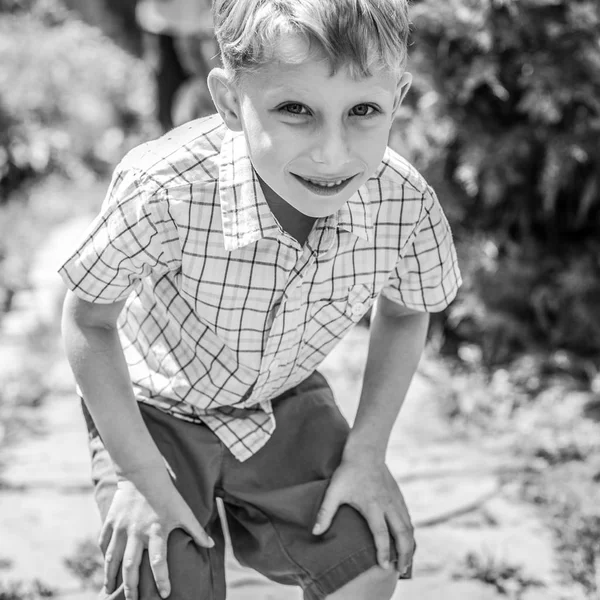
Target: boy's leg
x: 272, y: 500
x: 375, y: 583
x: 195, y: 573
x: 244, y: 583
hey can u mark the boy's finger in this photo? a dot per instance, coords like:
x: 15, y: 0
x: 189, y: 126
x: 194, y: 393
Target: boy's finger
x: 113, y: 559
x: 197, y: 533
x: 157, y: 552
x: 327, y: 511
x: 131, y: 568
x: 105, y: 536
x: 381, y: 536
x: 404, y: 540
x: 402, y: 512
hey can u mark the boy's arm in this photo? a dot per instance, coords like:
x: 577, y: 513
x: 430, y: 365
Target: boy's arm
x: 96, y: 357
x: 146, y: 506
x: 362, y: 480
x: 396, y: 343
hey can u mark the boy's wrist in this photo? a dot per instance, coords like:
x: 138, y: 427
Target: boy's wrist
x: 142, y: 474
x: 364, y: 450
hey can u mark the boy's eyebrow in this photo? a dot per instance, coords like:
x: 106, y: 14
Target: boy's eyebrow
x: 285, y: 88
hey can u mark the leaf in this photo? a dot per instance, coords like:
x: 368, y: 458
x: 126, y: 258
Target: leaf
x: 550, y: 182
x: 589, y: 198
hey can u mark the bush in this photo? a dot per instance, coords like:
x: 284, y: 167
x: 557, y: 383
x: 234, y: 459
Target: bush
x: 70, y: 100
x: 523, y: 298
x: 517, y: 86
x: 522, y: 83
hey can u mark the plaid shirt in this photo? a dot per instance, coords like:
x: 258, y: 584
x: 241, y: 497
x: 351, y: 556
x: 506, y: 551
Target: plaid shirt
x: 224, y: 309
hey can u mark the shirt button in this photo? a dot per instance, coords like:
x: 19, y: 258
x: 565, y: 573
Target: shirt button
x: 358, y: 309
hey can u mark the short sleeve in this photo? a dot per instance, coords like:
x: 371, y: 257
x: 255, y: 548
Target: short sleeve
x: 427, y: 276
x: 130, y: 239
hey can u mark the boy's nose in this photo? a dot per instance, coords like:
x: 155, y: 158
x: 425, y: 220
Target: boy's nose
x: 331, y: 148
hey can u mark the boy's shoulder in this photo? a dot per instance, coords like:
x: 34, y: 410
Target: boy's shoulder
x: 186, y: 155
x: 395, y: 173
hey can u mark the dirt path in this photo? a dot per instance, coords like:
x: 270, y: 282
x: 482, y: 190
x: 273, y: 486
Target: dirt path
x: 459, y: 492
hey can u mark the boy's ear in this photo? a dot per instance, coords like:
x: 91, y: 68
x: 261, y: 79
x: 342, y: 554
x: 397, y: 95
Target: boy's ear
x: 225, y: 98
x: 402, y: 89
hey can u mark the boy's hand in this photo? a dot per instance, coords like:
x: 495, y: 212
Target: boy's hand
x: 133, y: 525
x: 368, y: 486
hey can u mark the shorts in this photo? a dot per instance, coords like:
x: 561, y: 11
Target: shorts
x: 271, y: 500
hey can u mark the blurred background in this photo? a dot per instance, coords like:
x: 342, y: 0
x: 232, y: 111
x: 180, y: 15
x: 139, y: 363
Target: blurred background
x: 503, y: 119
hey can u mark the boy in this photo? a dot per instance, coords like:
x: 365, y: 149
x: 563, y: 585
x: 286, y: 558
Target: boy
x: 228, y: 259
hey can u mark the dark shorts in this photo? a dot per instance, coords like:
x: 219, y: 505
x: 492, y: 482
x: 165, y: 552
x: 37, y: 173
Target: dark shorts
x: 271, y: 500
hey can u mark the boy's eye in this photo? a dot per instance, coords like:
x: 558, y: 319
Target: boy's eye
x: 363, y: 110
x: 295, y: 108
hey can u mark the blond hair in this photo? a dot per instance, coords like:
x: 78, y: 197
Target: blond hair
x: 360, y: 34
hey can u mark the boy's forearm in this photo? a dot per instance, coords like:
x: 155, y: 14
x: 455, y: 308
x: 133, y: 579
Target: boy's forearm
x: 97, y: 361
x: 395, y: 347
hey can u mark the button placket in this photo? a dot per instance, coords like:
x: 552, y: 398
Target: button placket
x: 290, y: 308
x: 358, y: 309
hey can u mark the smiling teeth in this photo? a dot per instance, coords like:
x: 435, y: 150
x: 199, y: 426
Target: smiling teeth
x: 329, y: 184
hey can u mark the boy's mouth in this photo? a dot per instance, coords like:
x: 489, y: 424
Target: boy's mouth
x: 324, y: 187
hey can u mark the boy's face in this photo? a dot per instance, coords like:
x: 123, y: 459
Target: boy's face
x: 315, y: 138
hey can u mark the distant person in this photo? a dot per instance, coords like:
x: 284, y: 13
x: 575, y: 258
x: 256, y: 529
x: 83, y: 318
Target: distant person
x: 229, y: 257
x: 181, y: 49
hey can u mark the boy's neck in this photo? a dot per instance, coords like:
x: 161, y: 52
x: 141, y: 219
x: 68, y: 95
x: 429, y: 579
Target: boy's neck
x: 293, y: 222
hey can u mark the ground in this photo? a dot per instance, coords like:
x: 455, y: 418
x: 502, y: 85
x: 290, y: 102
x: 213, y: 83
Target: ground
x: 462, y: 493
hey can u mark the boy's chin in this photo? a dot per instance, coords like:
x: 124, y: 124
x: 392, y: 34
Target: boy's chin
x: 319, y: 210
x: 318, y: 214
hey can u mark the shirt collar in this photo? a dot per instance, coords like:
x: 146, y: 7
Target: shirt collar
x: 245, y: 214
x: 355, y: 215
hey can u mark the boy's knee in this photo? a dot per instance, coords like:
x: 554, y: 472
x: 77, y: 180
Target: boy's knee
x: 375, y: 583
x: 189, y: 573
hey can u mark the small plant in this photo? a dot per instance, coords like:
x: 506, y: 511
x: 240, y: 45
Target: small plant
x: 11, y: 591
x: 86, y: 564
x: 42, y: 590
x: 508, y: 579
x: 570, y: 497
x: 18, y: 590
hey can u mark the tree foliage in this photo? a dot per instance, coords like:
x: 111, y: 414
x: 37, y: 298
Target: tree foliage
x: 521, y: 78
x: 71, y: 102
x: 520, y: 82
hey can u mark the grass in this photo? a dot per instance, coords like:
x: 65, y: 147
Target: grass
x: 507, y: 579
x: 550, y: 419
x: 570, y: 497
x: 86, y: 564
x: 18, y: 590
